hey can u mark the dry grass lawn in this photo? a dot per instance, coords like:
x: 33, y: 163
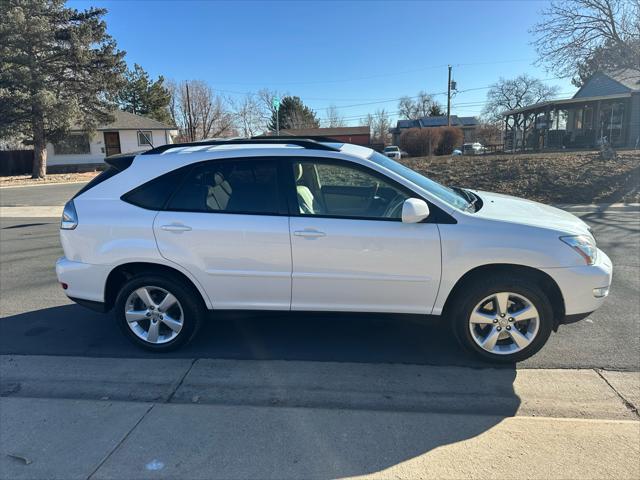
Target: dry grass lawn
x: 563, y: 177
x: 16, y: 180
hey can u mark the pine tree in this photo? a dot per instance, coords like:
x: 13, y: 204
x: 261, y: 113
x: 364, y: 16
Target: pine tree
x: 142, y: 96
x: 57, y: 67
x: 294, y: 114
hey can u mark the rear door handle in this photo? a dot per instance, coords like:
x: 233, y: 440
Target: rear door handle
x: 309, y: 233
x: 175, y: 228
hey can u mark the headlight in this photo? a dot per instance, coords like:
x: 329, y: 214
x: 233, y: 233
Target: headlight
x: 69, y: 219
x: 584, y: 245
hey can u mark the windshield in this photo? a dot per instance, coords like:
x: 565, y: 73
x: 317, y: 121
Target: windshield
x: 445, y: 194
x: 391, y: 149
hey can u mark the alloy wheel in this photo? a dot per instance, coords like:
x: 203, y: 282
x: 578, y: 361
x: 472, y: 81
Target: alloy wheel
x: 504, y: 323
x: 154, y: 314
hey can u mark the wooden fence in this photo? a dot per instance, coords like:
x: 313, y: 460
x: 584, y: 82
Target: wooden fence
x: 15, y: 162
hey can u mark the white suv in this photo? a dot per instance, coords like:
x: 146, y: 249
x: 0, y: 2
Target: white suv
x: 163, y: 236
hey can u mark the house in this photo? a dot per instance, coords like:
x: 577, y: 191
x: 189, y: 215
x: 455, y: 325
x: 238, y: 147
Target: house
x: 469, y: 126
x: 607, y: 107
x: 357, y: 135
x: 127, y: 133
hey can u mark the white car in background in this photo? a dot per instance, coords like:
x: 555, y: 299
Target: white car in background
x: 164, y: 236
x: 472, y: 148
x: 393, y: 151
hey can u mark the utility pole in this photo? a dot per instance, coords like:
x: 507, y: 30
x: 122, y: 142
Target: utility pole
x: 449, y: 99
x: 190, y: 120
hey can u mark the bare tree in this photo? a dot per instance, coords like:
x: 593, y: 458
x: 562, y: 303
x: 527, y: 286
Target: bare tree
x: 577, y: 37
x: 265, y: 99
x: 334, y: 119
x: 198, y: 111
x: 249, y: 115
x: 515, y: 93
x: 380, y: 124
x: 420, y: 106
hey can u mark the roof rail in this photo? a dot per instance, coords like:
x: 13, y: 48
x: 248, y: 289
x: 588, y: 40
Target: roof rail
x: 300, y: 142
x: 295, y: 137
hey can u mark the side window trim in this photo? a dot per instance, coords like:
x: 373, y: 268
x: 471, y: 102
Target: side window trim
x: 437, y: 215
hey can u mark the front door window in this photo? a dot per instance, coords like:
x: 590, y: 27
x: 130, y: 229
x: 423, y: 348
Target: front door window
x: 332, y: 189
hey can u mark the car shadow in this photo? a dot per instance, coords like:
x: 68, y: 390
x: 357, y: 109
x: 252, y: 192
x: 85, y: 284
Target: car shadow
x: 335, y: 337
x: 359, y: 421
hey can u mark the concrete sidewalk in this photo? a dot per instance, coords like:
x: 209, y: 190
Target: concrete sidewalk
x: 74, y: 417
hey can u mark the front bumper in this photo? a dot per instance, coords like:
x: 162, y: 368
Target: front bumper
x: 580, y: 285
x: 85, y: 283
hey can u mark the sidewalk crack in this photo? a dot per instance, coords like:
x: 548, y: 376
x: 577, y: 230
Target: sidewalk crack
x: 122, y: 440
x: 179, y: 384
x: 626, y: 402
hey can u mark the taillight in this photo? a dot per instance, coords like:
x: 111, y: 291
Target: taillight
x: 69, y: 219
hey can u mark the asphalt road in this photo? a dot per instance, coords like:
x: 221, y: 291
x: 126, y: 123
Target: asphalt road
x: 36, y: 317
x: 48, y: 194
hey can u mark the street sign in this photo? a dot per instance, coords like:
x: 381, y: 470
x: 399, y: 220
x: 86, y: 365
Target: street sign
x: 276, y: 103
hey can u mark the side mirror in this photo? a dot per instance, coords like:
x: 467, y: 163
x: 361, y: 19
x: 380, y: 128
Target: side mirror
x: 414, y: 210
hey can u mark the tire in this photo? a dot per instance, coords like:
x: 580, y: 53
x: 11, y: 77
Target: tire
x: 173, y: 326
x: 483, y: 297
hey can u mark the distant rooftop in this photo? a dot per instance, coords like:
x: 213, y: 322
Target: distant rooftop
x: 326, y: 132
x: 439, y: 121
x: 129, y: 121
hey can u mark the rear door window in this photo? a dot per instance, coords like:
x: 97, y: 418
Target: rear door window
x: 231, y: 186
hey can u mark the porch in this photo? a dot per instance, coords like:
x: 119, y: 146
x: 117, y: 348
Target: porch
x: 576, y: 123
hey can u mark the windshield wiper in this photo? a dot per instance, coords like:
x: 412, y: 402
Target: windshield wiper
x: 468, y: 196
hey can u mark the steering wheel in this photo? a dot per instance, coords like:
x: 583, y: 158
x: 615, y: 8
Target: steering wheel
x: 394, y: 205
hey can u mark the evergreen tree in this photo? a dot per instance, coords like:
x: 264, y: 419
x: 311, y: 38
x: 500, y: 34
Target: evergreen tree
x: 142, y: 96
x: 57, y: 68
x: 294, y: 114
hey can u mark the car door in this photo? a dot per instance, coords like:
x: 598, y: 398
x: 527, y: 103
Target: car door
x: 227, y: 224
x: 350, y: 249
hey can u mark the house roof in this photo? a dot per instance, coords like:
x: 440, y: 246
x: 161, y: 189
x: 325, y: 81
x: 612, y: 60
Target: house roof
x: 610, y: 83
x: 129, y: 121
x: 326, y: 132
x: 439, y: 121
x: 601, y: 86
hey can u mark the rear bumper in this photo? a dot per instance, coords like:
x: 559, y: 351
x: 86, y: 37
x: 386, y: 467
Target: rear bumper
x: 85, y: 282
x: 579, y: 286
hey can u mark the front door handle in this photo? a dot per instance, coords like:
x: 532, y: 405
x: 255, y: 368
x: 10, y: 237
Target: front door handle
x: 309, y: 233
x: 174, y: 227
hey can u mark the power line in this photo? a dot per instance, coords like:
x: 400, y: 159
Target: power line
x: 383, y: 75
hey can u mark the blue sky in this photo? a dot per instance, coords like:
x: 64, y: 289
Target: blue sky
x: 340, y: 53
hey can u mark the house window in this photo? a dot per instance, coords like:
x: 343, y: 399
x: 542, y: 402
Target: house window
x: 74, y: 144
x: 145, y: 138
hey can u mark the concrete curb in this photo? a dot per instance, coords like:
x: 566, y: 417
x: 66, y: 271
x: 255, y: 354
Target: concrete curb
x: 353, y: 386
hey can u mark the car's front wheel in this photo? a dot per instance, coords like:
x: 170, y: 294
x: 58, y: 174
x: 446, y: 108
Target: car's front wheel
x: 158, y: 313
x: 503, y: 319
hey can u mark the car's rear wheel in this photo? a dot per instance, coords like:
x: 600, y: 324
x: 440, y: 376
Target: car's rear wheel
x: 158, y: 313
x: 503, y: 319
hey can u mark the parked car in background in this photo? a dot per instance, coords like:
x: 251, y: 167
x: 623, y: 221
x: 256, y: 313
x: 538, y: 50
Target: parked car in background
x: 164, y: 236
x: 457, y: 152
x: 472, y: 148
x: 392, y: 151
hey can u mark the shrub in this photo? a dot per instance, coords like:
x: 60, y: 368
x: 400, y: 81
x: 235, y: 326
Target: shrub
x: 419, y: 142
x: 450, y: 138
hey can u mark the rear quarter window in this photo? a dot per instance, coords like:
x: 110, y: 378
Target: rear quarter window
x: 154, y: 194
